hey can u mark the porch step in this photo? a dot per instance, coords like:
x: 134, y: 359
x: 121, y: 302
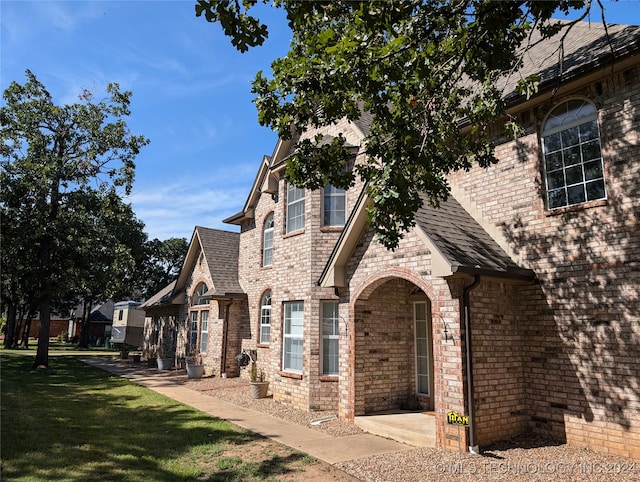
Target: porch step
x: 412, y: 428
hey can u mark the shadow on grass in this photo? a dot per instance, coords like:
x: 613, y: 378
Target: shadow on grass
x: 84, y: 424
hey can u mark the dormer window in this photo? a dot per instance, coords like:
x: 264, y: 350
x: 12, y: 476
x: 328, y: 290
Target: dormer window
x: 334, y: 206
x: 295, y: 208
x: 572, y: 158
x: 267, y: 241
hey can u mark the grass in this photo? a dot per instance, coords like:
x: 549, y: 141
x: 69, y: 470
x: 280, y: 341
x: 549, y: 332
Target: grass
x: 83, y: 424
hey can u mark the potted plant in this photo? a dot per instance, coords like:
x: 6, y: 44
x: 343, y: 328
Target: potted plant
x: 195, y: 367
x: 164, y: 360
x: 259, y: 387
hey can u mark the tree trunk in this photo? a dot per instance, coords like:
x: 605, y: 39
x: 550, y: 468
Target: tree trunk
x: 42, y: 353
x: 11, y: 324
x: 24, y: 343
x: 84, y: 324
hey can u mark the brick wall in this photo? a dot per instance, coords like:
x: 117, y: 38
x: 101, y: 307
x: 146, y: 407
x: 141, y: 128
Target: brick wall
x: 581, y: 355
x: 298, y: 260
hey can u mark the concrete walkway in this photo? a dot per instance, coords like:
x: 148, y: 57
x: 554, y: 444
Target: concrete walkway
x: 312, y: 442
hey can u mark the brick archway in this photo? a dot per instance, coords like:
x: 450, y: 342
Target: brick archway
x: 365, y: 359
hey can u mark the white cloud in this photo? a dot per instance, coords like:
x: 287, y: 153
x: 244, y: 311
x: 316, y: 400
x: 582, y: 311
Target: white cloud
x: 173, y: 210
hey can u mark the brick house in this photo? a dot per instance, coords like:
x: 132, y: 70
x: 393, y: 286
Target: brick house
x: 516, y: 302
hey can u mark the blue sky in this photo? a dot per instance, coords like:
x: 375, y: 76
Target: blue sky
x: 191, y: 93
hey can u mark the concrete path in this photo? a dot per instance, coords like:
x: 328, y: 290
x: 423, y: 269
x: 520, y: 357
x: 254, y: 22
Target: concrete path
x: 312, y: 442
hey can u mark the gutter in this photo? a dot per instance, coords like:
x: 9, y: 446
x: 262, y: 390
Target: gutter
x: 473, y: 447
x: 225, y: 330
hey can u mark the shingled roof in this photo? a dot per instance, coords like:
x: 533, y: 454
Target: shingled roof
x: 585, y: 47
x: 221, y: 251
x: 463, y: 243
x: 163, y: 297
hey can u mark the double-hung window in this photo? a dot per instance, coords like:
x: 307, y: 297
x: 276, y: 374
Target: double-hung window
x: 193, y: 332
x: 265, y: 318
x: 292, y: 344
x: 572, y: 159
x: 334, y: 206
x: 295, y: 208
x: 330, y: 338
x: 204, y: 331
x: 267, y: 241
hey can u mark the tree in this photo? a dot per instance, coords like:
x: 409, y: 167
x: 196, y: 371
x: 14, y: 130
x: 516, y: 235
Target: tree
x: 50, y: 154
x: 162, y: 263
x: 425, y: 70
x: 105, y: 254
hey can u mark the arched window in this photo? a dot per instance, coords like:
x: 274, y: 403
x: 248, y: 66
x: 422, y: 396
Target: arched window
x: 198, y: 295
x: 265, y: 318
x: 572, y: 159
x: 267, y: 241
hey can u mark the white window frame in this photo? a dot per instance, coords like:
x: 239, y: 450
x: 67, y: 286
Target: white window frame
x: 293, y: 339
x: 198, y: 293
x: 331, y: 195
x: 569, y: 134
x: 329, y: 339
x: 265, y: 318
x: 267, y: 241
x: 295, y: 208
x: 426, y: 356
x: 193, y: 330
x: 204, y: 331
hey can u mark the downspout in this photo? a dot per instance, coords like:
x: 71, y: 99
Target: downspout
x: 225, y: 329
x: 473, y: 447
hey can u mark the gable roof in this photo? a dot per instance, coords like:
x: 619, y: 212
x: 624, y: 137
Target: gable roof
x: 262, y: 183
x: 221, y: 250
x: 100, y: 313
x: 458, y: 244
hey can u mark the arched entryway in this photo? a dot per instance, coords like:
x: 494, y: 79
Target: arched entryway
x: 392, y: 347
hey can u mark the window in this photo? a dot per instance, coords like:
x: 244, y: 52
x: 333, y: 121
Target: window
x: 421, y: 316
x: 193, y: 332
x: 329, y: 338
x: 265, y: 318
x: 295, y: 208
x: 293, y: 326
x: 120, y: 314
x: 198, y: 295
x: 267, y: 241
x: 572, y: 159
x: 334, y: 206
x: 204, y: 331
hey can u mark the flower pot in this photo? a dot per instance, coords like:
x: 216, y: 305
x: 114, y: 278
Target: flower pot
x: 259, y: 389
x: 195, y: 371
x: 164, y: 363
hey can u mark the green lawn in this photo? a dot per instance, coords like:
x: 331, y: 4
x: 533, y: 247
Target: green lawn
x: 83, y: 424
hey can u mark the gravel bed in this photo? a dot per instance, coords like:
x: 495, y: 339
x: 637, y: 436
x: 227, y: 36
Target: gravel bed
x: 238, y: 392
x: 527, y: 457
